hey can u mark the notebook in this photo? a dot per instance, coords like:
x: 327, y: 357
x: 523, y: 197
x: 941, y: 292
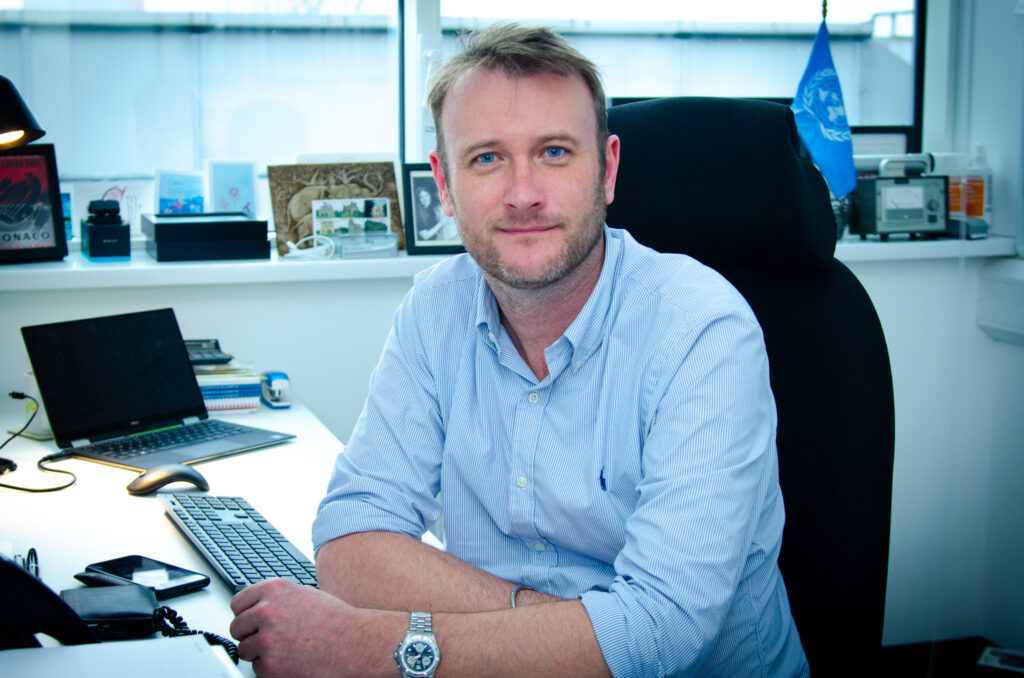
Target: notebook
x: 122, y: 380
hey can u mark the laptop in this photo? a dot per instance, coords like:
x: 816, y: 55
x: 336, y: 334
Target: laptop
x: 119, y: 382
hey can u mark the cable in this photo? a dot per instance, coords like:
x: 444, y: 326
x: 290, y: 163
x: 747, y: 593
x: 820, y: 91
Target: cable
x: 9, y: 465
x: 170, y: 623
x: 18, y: 395
x: 322, y: 248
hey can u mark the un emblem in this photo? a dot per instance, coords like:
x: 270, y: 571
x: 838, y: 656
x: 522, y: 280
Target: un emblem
x: 823, y: 99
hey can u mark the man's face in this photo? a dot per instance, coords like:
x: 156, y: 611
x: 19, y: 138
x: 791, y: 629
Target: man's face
x: 524, y: 180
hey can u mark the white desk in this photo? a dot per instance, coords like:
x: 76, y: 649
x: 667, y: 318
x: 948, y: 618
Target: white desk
x: 97, y: 519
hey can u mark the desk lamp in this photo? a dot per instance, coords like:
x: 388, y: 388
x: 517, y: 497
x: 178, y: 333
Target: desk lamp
x: 17, y: 125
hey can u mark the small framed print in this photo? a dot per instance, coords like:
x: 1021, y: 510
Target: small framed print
x: 428, y: 230
x: 31, y: 213
x: 179, y: 192
x: 347, y: 217
x: 231, y: 187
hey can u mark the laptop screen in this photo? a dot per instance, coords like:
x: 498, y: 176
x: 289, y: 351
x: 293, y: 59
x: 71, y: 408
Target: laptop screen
x: 113, y: 375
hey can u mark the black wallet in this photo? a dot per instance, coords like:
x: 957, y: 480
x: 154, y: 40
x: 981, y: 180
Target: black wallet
x: 115, y: 612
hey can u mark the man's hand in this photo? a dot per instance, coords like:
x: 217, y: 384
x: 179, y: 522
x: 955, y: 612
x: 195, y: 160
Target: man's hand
x: 286, y: 629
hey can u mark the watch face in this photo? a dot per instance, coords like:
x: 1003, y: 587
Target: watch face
x: 419, y: 656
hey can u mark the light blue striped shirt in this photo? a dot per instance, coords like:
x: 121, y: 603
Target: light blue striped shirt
x: 639, y: 474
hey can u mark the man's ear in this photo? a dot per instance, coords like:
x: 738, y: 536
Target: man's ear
x: 611, y: 167
x: 442, y: 184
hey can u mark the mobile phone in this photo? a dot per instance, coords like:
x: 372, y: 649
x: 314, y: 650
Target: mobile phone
x: 166, y: 580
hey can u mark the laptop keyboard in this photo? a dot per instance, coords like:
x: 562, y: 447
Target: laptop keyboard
x: 241, y: 545
x: 133, y: 446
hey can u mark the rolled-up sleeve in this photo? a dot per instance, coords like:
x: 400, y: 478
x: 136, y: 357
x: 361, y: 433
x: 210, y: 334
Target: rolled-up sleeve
x: 708, y: 515
x: 387, y: 477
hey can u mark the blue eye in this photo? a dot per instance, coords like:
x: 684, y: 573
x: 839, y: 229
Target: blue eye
x: 554, y: 152
x: 486, y: 158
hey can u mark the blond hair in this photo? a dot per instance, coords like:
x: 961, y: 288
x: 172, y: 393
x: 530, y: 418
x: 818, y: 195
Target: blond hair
x: 517, y: 52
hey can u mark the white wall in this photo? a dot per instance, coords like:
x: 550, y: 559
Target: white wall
x: 326, y: 335
x: 940, y: 360
x: 986, y: 512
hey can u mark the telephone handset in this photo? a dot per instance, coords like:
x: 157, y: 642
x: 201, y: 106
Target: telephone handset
x: 30, y: 607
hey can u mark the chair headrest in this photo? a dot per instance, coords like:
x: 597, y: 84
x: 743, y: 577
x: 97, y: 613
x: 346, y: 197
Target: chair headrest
x: 727, y: 181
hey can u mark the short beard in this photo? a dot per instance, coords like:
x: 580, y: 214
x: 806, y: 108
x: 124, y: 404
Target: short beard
x: 576, y: 250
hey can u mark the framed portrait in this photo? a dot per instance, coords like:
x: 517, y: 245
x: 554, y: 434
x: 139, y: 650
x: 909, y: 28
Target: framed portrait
x: 31, y: 213
x: 294, y: 188
x: 428, y: 230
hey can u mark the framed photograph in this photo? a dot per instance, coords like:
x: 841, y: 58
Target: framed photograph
x: 31, y: 213
x: 428, y: 230
x: 179, y: 192
x: 293, y: 188
x: 351, y: 217
x: 231, y: 187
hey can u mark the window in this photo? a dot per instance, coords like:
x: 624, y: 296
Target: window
x: 128, y: 87
x: 741, y: 48
x: 124, y: 92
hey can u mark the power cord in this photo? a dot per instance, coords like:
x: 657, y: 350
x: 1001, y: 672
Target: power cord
x: 9, y: 465
x: 321, y: 247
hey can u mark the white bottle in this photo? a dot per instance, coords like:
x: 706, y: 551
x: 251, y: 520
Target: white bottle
x: 978, y: 188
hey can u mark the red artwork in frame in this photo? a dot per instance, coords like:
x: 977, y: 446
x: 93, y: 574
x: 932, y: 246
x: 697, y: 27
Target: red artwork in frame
x: 31, y: 216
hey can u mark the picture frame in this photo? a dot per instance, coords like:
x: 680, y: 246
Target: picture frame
x: 31, y: 210
x: 293, y: 188
x: 179, y: 192
x: 231, y: 186
x: 428, y: 230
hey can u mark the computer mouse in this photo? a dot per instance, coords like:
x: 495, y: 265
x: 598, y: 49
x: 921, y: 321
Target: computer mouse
x: 152, y: 480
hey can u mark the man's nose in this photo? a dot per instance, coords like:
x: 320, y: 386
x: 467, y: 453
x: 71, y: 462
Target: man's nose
x: 525, y: 187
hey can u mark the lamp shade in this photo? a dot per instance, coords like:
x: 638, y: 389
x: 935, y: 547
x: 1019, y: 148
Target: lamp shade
x: 17, y: 126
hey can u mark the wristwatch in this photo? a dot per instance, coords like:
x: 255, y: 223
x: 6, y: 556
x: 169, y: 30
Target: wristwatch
x: 418, y: 654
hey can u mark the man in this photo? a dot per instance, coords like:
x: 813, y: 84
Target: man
x: 595, y: 416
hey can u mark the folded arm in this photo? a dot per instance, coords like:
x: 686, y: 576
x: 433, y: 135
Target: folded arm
x: 389, y: 571
x: 280, y: 627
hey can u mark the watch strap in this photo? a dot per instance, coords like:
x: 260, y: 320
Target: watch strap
x: 420, y: 621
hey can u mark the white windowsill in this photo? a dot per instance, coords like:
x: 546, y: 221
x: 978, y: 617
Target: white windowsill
x: 75, y: 271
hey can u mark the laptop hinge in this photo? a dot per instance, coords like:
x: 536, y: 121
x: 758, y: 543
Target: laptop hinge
x: 190, y: 420
x: 81, y: 442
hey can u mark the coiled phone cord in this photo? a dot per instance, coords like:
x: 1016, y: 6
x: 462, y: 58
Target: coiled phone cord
x: 170, y: 623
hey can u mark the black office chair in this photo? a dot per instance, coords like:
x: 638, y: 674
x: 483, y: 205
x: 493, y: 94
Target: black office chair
x: 728, y: 182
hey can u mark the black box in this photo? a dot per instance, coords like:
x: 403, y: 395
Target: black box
x: 213, y: 235
x: 209, y: 249
x: 105, y: 241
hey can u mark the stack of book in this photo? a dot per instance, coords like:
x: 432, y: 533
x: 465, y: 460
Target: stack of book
x: 232, y: 386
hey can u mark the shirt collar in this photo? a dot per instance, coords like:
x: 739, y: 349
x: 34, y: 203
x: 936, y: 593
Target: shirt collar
x: 587, y: 331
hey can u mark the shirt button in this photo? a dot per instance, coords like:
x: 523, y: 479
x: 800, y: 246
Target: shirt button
x: 492, y: 338
x: 579, y: 364
x: 521, y: 481
x: 539, y: 546
x: 533, y: 398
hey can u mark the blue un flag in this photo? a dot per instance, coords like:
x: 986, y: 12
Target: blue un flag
x: 821, y: 118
